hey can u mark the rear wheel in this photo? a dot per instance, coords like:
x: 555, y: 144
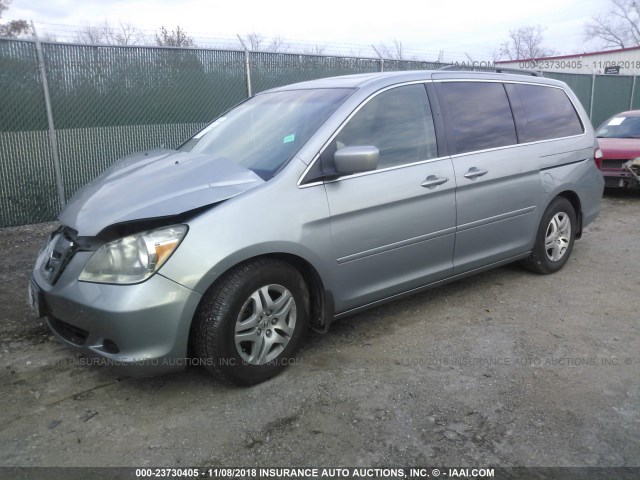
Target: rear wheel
x: 250, y: 324
x: 555, y: 238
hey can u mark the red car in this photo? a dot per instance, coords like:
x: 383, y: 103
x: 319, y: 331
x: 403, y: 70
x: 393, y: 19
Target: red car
x: 619, y: 139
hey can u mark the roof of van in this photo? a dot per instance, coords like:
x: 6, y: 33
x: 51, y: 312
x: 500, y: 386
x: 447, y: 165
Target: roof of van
x: 383, y: 79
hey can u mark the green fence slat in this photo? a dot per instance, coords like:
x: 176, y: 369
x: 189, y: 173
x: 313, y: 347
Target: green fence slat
x: 27, y: 180
x: 611, y: 95
x: 636, y: 95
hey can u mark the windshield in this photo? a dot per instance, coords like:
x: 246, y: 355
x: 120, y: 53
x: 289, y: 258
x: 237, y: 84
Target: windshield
x: 620, y: 127
x: 264, y: 133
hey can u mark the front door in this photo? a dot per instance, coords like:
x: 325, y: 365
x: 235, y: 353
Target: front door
x: 392, y: 229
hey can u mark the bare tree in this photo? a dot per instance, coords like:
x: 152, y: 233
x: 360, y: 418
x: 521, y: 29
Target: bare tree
x: 94, y: 34
x: 395, y: 51
x: 257, y: 42
x: 127, y: 34
x: 495, y: 55
x: 525, y: 42
x: 13, y: 28
x: 398, y: 49
x: 619, y: 27
x: 175, y: 38
x: 107, y: 34
x: 254, y: 40
x: 278, y: 44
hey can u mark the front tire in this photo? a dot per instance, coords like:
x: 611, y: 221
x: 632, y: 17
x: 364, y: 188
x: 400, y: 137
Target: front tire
x: 555, y: 238
x: 251, y: 322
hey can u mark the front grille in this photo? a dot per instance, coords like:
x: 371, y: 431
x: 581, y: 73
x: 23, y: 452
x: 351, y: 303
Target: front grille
x: 71, y: 333
x: 615, y: 163
x: 57, y: 254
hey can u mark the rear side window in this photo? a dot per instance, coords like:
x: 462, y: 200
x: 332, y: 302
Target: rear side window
x: 479, y: 115
x: 542, y: 113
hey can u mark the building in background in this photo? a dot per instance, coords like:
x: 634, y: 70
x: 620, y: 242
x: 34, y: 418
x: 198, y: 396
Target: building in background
x: 623, y: 61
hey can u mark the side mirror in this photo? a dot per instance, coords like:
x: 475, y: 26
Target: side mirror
x: 356, y: 159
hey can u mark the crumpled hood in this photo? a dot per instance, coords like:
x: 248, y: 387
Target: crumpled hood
x: 154, y: 184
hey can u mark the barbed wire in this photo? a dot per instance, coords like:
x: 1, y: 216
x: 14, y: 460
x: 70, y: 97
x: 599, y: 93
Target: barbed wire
x: 71, y: 33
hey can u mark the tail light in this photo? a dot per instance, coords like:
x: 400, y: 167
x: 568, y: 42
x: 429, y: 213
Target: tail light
x: 597, y: 157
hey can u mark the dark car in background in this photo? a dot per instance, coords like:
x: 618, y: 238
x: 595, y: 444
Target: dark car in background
x: 619, y: 139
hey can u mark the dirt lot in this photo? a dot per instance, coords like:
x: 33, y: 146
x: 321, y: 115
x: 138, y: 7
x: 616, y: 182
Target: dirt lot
x: 507, y: 369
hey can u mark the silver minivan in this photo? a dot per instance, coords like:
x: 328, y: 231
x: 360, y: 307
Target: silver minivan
x: 310, y: 202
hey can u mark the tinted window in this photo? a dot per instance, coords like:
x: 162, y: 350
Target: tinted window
x: 542, y: 113
x: 398, y: 122
x: 479, y: 114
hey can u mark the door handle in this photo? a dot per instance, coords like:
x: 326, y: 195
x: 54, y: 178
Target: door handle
x: 475, y: 172
x: 433, y: 181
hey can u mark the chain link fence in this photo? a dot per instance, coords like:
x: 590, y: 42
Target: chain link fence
x: 109, y: 101
x: 27, y: 180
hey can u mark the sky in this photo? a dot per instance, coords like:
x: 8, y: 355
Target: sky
x: 457, y: 27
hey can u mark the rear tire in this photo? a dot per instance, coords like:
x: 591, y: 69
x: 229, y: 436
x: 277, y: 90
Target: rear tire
x: 555, y: 238
x: 251, y: 322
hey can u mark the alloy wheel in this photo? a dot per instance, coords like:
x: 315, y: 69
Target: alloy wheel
x: 265, y: 324
x: 558, y: 236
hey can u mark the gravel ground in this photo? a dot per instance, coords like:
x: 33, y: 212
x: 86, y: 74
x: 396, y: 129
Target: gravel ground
x: 507, y: 368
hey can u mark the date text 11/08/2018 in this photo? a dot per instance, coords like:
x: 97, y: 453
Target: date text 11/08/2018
x: 314, y: 472
x: 548, y: 64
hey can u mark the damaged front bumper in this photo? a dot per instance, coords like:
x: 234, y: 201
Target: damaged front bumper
x: 142, y: 328
x: 633, y: 167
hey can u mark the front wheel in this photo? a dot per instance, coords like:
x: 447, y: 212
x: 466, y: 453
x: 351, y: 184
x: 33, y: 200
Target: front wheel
x: 251, y: 322
x: 555, y: 238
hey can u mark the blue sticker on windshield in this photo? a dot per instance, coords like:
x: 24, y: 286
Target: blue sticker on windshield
x: 289, y: 138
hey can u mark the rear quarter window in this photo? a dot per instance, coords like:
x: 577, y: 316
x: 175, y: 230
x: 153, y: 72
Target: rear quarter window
x: 542, y: 113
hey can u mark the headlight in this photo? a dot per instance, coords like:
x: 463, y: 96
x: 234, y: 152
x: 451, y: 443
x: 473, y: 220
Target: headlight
x: 135, y: 258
